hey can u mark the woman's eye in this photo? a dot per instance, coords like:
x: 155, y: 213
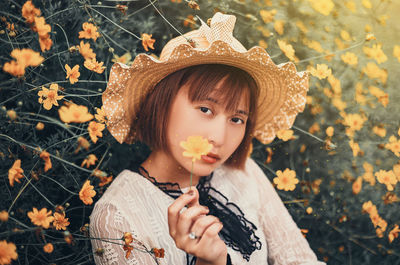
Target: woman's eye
x: 204, y: 109
x: 235, y: 120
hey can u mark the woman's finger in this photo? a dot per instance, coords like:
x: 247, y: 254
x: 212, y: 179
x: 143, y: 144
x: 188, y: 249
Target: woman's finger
x: 188, y: 217
x: 203, y: 223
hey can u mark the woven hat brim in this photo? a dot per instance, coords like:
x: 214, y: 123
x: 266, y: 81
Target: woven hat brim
x: 282, y: 92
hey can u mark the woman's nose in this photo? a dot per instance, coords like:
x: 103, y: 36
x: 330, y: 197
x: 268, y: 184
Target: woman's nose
x: 217, y: 131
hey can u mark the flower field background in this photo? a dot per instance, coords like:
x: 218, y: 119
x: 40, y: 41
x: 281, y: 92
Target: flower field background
x: 337, y: 169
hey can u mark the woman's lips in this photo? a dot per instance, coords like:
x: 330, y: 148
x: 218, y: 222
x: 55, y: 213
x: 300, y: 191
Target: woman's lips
x: 209, y: 159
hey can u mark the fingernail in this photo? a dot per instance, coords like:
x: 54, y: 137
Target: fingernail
x: 191, y: 192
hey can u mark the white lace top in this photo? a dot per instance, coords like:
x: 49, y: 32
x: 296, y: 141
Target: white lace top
x: 134, y: 204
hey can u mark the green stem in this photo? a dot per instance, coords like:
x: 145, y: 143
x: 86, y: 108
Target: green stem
x: 191, y: 174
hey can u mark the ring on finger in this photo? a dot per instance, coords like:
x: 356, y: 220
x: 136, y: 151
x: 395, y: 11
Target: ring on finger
x: 192, y: 235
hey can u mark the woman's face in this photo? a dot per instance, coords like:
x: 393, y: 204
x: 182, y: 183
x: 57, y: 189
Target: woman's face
x: 208, y: 119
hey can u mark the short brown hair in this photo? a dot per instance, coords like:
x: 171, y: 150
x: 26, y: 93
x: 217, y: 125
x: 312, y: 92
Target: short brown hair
x: 152, y: 119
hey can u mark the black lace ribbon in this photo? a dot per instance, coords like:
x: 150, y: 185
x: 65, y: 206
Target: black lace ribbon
x: 237, y: 232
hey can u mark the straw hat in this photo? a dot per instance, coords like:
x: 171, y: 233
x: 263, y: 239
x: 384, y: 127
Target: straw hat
x: 282, y: 89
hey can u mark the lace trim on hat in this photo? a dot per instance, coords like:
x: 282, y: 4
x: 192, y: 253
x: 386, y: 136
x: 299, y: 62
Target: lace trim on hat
x: 237, y: 232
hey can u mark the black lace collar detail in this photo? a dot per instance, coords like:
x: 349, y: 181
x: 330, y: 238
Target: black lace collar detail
x: 237, y: 232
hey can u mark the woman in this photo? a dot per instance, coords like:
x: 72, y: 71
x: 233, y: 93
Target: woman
x: 205, y: 84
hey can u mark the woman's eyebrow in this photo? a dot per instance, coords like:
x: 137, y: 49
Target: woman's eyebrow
x: 239, y: 111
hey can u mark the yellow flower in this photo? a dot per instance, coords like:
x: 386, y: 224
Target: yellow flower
x: 8, y: 252
x: 49, y: 97
x: 27, y: 57
x: 369, y: 208
x: 345, y: 35
x: 379, y: 131
x: 47, y: 162
x: 41, y: 27
x: 393, y: 145
x: 351, y: 6
x: 279, y: 26
x: 355, y: 147
x: 86, y: 51
x: 4, y: 216
x: 15, y: 172
x: 350, y: 58
x: 301, y: 26
x: 396, y: 52
x: 90, y: 160
x: 382, y: 97
x: 267, y: 16
x: 286, y: 180
x: 89, y: 31
x: 369, y: 36
x: 322, y: 6
x: 94, y: 65
x: 287, y: 50
x: 82, y: 142
x: 386, y: 177
x: 373, y: 71
x: 95, y: 130
x: 376, y: 53
x: 73, y: 73
x: 74, y: 113
x: 367, y: 4
x: 147, y: 41
x: 195, y: 147
x: 354, y: 121
x: 329, y: 131
x: 48, y: 248
x: 285, y: 135
x: 41, y: 218
x: 357, y: 185
x: 14, y: 68
x: 39, y: 126
x: 125, y: 58
x: 309, y: 210
x: 60, y: 222
x: 87, y: 193
x: 394, y: 233
x: 29, y: 12
x: 322, y: 71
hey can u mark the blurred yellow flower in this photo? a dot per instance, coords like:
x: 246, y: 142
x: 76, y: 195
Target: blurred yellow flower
x: 90, y: 160
x: 382, y: 97
x: 86, y: 51
x: 95, y: 130
x: 287, y: 50
x: 195, y: 147
x: 82, y: 142
x: 386, y: 177
x: 74, y: 113
x: 60, y: 222
x: 357, y: 185
x: 285, y: 135
x: 48, y: 248
x: 354, y: 121
x: 369, y: 173
x: 279, y: 26
x: 8, y: 252
x: 29, y: 12
x: 393, y: 145
x: 380, y: 131
x: 376, y: 53
x: 301, y: 26
x: 313, y: 44
x: 41, y: 218
x: 329, y: 131
x: 4, y: 216
x: 322, y: 6
x: 309, y: 210
x: 263, y: 44
x: 322, y: 71
x: 349, y: 58
x: 27, y: 57
x: 73, y: 73
x: 41, y: 27
x: 268, y: 16
x: 351, y: 6
x: 87, y: 193
x: 396, y: 52
x: 101, y: 115
x: 369, y: 36
x: 345, y: 35
x: 89, y: 31
x: 314, y: 128
x: 286, y: 180
x: 382, y: 19
x: 355, y: 147
x: 49, y: 97
x: 15, y: 172
x: 47, y: 162
x: 373, y: 71
x: 394, y: 233
x: 369, y: 208
x: 125, y: 58
x: 94, y: 65
x: 366, y: 4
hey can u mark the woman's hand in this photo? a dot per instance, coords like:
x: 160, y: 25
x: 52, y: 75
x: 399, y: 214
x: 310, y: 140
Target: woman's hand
x: 208, y: 247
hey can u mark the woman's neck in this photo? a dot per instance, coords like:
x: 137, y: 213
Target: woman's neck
x: 163, y: 168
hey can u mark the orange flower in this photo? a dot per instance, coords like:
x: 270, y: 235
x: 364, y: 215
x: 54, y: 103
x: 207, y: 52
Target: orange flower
x: 100, y: 116
x: 27, y: 57
x: 74, y: 113
x: 329, y: 131
x: 45, y: 43
x: 349, y: 58
x: 368, y: 175
x: 394, y: 233
x: 94, y: 66
x: 48, y: 248
x: 82, y: 142
x: 47, y: 162
x: 393, y: 145
x: 4, y: 216
x: 357, y: 185
x: 386, y: 177
x: 159, y: 252
x: 147, y: 41
x: 105, y: 180
x: 49, y: 97
x: 285, y: 135
x: 14, y: 68
x: 376, y: 53
x: 87, y: 193
x: 355, y: 121
x: 373, y: 71
x: 8, y: 251
x: 95, y: 130
x: 286, y: 180
x: 322, y: 6
x: 60, y: 222
x: 41, y: 218
x: 41, y: 27
x: 287, y: 50
x: 86, y: 51
x: 89, y: 31
x: 73, y: 73
x: 125, y: 58
x: 90, y: 160
x: 29, y: 12
x: 355, y: 147
x: 369, y: 208
x: 15, y: 172
x: 128, y: 249
x: 322, y: 71
x: 128, y: 238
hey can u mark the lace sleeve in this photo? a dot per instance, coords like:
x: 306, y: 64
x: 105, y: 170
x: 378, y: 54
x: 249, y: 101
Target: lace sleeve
x: 107, y: 227
x: 286, y: 244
